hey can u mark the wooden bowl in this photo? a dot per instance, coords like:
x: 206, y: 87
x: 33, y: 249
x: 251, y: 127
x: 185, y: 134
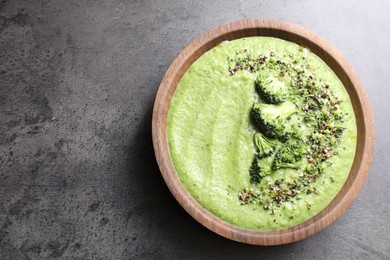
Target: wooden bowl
x: 345, y: 72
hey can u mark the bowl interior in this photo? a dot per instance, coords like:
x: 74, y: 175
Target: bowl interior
x: 335, y: 60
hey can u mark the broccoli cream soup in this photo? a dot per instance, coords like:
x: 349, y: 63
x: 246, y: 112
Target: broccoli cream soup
x: 261, y: 132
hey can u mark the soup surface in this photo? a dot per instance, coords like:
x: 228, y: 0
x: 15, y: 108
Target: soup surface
x: 261, y: 132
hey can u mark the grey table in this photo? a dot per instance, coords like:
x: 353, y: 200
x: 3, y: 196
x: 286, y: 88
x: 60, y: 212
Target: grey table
x: 78, y: 178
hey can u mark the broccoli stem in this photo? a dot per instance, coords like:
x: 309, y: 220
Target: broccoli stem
x: 285, y: 165
x: 264, y: 146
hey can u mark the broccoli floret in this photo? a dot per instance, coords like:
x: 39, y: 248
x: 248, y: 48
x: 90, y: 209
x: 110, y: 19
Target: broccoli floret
x: 261, y: 167
x: 264, y: 146
x: 262, y: 122
x: 271, y: 119
x: 290, y: 155
x: 314, y: 170
x: 272, y: 90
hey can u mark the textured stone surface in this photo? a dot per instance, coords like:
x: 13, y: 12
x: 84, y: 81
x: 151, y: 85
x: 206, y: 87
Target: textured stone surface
x: 78, y: 178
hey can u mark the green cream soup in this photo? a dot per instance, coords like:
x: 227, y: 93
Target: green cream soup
x: 261, y: 133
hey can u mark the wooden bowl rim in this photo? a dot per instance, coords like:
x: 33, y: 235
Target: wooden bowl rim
x: 359, y: 98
